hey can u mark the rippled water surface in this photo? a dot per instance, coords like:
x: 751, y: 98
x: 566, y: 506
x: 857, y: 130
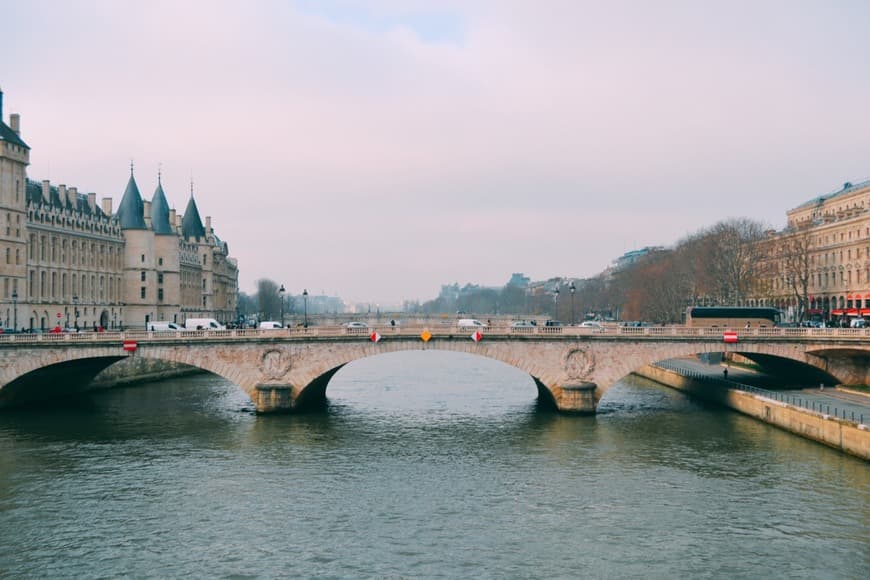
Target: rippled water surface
x: 425, y: 464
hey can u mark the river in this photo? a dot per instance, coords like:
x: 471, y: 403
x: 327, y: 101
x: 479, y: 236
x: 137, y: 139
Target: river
x: 425, y: 464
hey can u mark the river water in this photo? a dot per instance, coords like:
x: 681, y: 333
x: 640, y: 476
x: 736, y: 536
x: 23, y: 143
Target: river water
x: 425, y: 464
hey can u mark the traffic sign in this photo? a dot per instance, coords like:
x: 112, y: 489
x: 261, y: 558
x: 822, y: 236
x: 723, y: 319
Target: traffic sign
x: 729, y: 336
x: 130, y: 345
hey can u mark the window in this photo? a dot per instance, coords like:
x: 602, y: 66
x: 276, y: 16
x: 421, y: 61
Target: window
x: 142, y: 292
x: 160, y: 277
x: 142, y: 258
x: 160, y: 294
x: 160, y: 261
x: 142, y: 276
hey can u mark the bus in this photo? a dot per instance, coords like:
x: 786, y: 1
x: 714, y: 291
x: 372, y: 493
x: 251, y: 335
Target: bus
x: 732, y: 317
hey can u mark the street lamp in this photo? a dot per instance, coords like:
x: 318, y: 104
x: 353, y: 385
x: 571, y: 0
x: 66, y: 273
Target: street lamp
x: 76, y: 309
x: 14, y: 309
x: 573, y: 289
x: 281, y: 296
x: 305, y: 306
x: 556, y: 301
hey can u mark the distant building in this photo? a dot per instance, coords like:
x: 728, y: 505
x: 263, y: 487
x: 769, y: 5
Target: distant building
x: 519, y: 280
x: 837, y: 230
x: 629, y: 258
x: 64, y: 260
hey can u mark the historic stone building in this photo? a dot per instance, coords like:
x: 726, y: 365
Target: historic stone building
x: 826, y: 248
x: 66, y: 261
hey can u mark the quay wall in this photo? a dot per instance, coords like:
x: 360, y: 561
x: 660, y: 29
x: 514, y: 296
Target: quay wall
x: 844, y: 435
x: 139, y: 370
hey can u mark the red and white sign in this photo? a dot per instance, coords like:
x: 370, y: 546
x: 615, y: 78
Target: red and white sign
x: 729, y: 336
x: 130, y: 345
x: 58, y: 315
x: 476, y: 336
x: 375, y: 337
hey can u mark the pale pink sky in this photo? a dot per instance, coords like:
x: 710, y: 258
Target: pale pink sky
x: 375, y: 150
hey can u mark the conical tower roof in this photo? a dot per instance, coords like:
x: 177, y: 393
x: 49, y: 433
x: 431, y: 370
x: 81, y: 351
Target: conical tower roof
x: 160, y: 211
x: 191, y: 224
x: 131, y: 211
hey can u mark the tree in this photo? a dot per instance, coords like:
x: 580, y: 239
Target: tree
x: 794, y: 253
x: 268, y: 299
x: 736, y: 256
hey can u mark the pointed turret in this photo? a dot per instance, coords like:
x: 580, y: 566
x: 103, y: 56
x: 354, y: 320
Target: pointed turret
x: 191, y: 224
x: 131, y: 211
x: 160, y: 211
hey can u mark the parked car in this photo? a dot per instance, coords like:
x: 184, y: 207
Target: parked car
x: 592, y: 324
x: 356, y: 324
x: 523, y: 324
x: 163, y: 326
x: 553, y: 323
x: 470, y: 323
x: 270, y: 325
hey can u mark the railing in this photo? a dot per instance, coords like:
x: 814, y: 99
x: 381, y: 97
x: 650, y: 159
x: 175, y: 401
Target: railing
x: 850, y: 335
x: 822, y: 409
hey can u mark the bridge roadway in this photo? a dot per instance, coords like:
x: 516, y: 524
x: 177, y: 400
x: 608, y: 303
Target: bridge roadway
x: 289, y: 369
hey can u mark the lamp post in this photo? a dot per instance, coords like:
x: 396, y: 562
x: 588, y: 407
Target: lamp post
x: 556, y: 302
x: 281, y: 291
x: 14, y: 310
x: 305, y: 306
x: 76, y: 309
x: 573, y: 289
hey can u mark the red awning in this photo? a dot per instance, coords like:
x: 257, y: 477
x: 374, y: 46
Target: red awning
x: 837, y: 312
x: 852, y: 312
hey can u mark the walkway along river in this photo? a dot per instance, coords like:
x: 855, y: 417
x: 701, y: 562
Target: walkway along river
x: 425, y: 464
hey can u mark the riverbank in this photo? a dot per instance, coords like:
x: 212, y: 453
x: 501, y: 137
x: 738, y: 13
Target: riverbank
x: 852, y: 437
x: 139, y: 370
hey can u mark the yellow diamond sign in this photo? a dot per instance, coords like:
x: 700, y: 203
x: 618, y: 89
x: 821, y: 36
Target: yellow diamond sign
x: 426, y: 335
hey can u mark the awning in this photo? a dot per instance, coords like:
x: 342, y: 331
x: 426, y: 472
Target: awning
x: 837, y: 312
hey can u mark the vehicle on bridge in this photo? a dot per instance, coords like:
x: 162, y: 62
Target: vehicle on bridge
x: 356, y: 324
x: 203, y: 324
x: 163, y: 326
x: 270, y: 325
x: 470, y: 323
x: 732, y: 317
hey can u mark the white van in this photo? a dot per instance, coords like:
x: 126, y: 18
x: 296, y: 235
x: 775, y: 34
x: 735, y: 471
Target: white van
x: 270, y: 325
x: 469, y: 323
x: 858, y: 323
x: 163, y: 326
x: 203, y: 324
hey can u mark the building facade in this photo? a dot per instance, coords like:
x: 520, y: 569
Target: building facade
x: 65, y: 261
x: 825, y: 249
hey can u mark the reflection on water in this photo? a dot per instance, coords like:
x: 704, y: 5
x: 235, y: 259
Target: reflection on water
x: 424, y: 464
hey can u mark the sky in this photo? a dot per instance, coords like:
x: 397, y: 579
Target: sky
x: 376, y: 150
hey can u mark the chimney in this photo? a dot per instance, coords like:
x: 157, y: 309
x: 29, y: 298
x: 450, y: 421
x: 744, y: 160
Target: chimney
x: 147, y: 214
x: 178, y: 220
x: 107, y: 205
x: 92, y: 202
x: 46, y: 188
x: 73, y: 193
x: 61, y: 193
x: 15, y: 123
x: 208, y: 225
x: 172, y: 219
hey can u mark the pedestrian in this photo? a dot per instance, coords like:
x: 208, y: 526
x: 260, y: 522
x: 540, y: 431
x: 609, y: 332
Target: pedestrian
x: 725, y: 373
x: 748, y: 325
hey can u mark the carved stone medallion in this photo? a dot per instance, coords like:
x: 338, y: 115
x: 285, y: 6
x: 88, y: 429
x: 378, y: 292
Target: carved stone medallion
x: 579, y: 363
x: 275, y: 364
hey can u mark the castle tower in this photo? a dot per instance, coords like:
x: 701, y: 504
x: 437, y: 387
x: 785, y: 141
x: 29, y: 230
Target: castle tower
x: 14, y: 159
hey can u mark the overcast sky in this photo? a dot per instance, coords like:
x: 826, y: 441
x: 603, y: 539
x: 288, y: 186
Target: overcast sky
x: 375, y: 150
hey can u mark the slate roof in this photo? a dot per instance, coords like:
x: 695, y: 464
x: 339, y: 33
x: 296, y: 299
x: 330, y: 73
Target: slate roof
x: 131, y: 211
x: 7, y: 134
x: 847, y: 188
x: 191, y: 224
x: 160, y: 212
x: 33, y: 194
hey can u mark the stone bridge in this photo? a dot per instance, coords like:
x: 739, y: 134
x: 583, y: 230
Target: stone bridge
x: 289, y: 369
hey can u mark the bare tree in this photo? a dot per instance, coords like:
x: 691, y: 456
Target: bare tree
x: 735, y: 258
x: 794, y: 252
x: 268, y: 300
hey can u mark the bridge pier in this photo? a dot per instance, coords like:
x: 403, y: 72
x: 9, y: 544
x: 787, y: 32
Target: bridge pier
x: 274, y: 398
x: 577, y: 399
